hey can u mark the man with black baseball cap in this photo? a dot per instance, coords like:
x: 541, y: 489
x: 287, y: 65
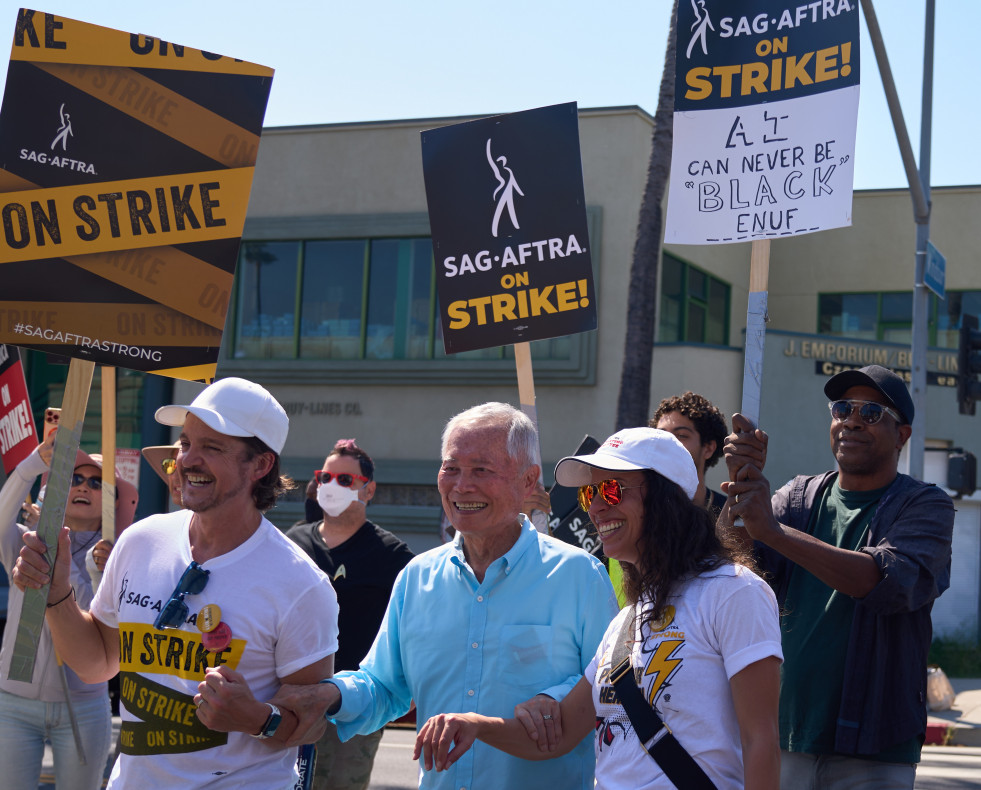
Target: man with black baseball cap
x: 857, y: 557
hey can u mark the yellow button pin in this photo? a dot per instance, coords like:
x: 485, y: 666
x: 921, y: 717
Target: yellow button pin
x: 209, y: 617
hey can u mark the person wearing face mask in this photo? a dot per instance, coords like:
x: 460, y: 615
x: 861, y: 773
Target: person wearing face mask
x: 362, y: 561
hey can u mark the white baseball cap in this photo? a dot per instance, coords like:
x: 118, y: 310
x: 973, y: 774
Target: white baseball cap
x: 235, y: 407
x: 629, y: 450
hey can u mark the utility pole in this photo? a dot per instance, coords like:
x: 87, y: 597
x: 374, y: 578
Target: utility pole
x: 919, y: 186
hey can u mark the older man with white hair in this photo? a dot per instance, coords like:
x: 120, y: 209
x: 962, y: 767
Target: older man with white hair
x: 502, y: 616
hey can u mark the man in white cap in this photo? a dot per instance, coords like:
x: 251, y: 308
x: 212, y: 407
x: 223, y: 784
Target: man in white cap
x: 196, y: 663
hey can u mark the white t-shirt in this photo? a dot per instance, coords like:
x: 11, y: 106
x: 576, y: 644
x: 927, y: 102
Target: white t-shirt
x: 282, y: 613
x: 715, y: 625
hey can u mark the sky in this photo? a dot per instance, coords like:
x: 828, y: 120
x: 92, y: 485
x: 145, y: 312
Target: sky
x: 390, y: 59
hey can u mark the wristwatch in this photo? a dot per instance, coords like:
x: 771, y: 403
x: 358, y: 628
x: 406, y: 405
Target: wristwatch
x: 271, y: 725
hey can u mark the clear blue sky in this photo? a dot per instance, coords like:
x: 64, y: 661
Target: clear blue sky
x: 390, y: 59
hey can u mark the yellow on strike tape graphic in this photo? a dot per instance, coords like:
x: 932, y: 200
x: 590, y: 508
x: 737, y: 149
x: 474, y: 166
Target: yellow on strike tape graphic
x: 205, y: 373
x: 169, y: 276
x: 10, y: 182
x: 96, y: 326
x: 40, y: 37
x: 116, y: 215
x: 165, y: 274
x: 164, y: 110
x: 143, y: 648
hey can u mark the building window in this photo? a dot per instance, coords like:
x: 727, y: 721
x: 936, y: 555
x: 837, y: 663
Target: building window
x: 350, y: 299
x: 694, y: 305
x: 889, y: 316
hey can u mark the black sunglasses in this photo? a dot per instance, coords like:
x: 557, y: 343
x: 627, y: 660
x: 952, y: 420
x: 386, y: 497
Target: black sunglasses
x: 95, y: 483
x: 869, y: 411
x: 193, y: 580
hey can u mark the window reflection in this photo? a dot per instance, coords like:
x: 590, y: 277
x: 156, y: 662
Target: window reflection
x: 694, y: 305
x: 266, y: 317
x: 889, y: 316
x: 333, y: 280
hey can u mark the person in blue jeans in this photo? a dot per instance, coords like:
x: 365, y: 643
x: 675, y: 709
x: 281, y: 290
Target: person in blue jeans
x: 31, y: 713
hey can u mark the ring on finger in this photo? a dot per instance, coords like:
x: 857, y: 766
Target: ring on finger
x: 547, y: 717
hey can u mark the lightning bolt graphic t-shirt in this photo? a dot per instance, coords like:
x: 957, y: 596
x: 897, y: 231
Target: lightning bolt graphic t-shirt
x: 714, y: 626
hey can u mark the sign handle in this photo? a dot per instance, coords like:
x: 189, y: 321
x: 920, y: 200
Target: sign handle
x: 108, y: 453
x: 526, y: 394
x: 66, y: 444
x: 756, y: 318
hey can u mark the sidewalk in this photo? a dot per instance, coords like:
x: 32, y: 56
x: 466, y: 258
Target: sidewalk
x: 961, y: 725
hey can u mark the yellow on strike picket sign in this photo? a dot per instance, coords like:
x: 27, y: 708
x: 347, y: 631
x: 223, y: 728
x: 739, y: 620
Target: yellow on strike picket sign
x: 128, y: 163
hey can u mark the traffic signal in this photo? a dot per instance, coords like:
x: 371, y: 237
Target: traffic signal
x: 962, y: 472
x: 968, y: 364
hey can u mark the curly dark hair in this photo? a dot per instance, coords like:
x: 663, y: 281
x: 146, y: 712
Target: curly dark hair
x: 679, y: 540
x: 273, y: 484
x: 708, y: 420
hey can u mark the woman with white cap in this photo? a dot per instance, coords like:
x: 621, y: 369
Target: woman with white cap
x: 44, y: 708
x: 682, y: 691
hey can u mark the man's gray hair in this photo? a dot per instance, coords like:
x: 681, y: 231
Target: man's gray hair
x: 522, y: 441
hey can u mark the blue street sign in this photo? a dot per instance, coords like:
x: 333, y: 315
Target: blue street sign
x: 935, y: 272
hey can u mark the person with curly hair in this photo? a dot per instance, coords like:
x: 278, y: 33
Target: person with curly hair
x: 702, y: 429
x: 701, y: 632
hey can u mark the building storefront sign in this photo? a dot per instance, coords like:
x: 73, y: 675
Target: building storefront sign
x: 833, y: 355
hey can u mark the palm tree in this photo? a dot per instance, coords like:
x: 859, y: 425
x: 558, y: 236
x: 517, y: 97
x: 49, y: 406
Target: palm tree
x: 633, y: 404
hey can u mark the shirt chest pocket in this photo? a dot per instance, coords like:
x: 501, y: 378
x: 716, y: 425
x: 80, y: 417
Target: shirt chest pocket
x: 525, y: 656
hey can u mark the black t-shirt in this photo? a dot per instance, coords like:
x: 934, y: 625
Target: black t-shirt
x: 362, y: 569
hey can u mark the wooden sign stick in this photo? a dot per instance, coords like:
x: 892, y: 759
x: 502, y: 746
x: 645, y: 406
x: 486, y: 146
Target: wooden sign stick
x: 52, y: 513
x: 108, y: 453
x: 756, y: 318
x: 526, y: 394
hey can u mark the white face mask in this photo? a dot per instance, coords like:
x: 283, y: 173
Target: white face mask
x: 334, y: 498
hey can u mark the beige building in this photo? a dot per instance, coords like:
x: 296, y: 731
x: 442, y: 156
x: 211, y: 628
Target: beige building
x: 334, y: 311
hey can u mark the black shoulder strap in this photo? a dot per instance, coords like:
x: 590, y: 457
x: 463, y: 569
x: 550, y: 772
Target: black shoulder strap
x: 679, y: 766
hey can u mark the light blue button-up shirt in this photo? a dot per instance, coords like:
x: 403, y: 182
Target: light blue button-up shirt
x: 456, y: 645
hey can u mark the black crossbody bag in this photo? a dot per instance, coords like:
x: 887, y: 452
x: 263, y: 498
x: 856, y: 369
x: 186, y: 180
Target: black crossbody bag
x: 679, y: 766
